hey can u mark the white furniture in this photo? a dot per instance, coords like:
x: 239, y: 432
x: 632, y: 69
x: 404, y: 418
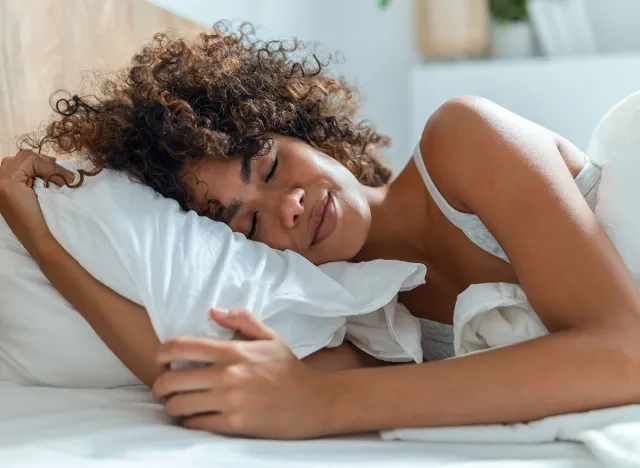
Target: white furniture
x: 568, y: 95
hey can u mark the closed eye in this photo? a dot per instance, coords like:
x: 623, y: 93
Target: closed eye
x: 254, y: 226
x: 254, y: 219
x: 272, y: 173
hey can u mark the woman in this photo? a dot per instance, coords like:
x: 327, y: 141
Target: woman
x: 247, y: 135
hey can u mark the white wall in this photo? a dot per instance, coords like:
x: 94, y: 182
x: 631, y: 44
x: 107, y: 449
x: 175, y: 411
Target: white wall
x: 377, y: 46
x: 552, y: 93
x: 616, y: 24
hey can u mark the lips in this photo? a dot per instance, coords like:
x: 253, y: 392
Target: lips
x: 324, y: 219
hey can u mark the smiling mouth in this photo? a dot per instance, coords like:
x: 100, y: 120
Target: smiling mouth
x: 318, y: 218
x: 326, y: 217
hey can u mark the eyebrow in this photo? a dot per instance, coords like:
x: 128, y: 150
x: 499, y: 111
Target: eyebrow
x: 234, y: 207
x: 232, y: 211
x: 245, y: 170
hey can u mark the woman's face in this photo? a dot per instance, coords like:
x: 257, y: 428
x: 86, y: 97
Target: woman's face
x: 294, y: 198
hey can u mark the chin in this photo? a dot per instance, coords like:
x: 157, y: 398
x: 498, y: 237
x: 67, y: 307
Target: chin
x: 346, y: 248
x: 332, y: 252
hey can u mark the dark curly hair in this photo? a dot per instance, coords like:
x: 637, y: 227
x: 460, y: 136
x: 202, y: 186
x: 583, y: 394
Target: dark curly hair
x: 217, y: 97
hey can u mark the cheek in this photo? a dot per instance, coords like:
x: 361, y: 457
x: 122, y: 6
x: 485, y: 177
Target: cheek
x: 355, y: 203
x: 355, y: 230
x: 328, y: 168
x: 274, y: 236
x: 352, y: 230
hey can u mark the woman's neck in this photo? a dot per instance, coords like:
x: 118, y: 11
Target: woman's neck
x: 397, y: 224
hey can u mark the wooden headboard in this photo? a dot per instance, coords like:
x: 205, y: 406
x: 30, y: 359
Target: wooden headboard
x: 46, y: 45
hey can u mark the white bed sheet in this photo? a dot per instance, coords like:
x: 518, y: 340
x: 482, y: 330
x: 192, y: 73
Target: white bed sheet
x: 123, y: 428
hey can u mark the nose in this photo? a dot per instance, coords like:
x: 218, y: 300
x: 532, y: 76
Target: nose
x: 292, y: 207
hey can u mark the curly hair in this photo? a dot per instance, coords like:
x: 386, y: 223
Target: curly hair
x: 217, y: 97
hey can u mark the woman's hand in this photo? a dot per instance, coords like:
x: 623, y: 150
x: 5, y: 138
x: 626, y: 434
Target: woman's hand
x: 18, y: 202
x: 253, y: 388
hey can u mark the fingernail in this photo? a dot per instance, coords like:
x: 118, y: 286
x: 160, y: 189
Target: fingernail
x: 219, y: 312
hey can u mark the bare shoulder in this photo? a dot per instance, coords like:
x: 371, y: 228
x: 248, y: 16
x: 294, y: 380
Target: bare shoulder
x: 468, y: 141
x: 512, y: 174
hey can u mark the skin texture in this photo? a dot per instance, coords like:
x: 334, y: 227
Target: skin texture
x: 518, y: 178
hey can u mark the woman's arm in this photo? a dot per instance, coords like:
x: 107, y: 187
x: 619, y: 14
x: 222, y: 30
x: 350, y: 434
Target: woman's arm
x: 122, y: 325
x: 341, y: 358
x: 510, y: 173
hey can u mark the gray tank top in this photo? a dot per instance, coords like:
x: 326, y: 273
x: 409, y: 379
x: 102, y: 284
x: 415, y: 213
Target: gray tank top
x: 437, y: 338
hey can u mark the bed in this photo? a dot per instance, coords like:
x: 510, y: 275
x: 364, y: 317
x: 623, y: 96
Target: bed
x: 123, y: 428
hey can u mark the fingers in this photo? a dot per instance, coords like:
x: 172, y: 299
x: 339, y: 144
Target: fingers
x: 186, y: 380
x: 203, y: 350
x: 219, y: 423
x: 50, y: 158
x: 26, y: 165
x: 244, y: 323
x: 50, y: 171
x: 189, y: 404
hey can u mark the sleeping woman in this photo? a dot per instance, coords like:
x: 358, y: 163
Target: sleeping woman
x: 254, y: 135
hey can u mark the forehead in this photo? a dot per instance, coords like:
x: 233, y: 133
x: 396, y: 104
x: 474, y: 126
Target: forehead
x: 213, y: 178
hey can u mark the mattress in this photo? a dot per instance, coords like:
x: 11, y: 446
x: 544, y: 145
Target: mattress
x: 122, y: 428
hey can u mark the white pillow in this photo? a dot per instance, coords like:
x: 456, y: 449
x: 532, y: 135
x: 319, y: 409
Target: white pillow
x: 178, y: 265
x: 615, y: 145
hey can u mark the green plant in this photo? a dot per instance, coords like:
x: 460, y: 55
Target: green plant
x: 384, y: 3
x: 508, y: 11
